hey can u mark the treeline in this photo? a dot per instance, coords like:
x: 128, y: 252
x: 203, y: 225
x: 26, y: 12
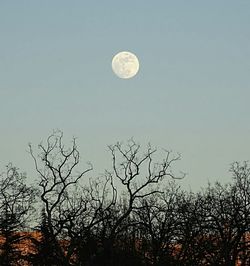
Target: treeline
x: 135, y: 214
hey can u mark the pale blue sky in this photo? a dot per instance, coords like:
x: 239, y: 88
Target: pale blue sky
x: 191, y: 94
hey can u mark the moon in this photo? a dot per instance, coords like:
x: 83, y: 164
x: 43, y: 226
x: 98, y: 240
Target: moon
x: 125, y: 65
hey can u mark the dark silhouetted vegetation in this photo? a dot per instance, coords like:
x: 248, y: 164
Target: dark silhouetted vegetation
x: 134, y: 214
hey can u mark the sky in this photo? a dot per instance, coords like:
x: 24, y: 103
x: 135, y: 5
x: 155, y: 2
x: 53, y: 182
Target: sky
x: 191, y: 94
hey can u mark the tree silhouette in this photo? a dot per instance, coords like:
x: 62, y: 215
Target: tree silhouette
x: 57, y: 169
x: 16, y: 199
x: 139, y: 174
x: 133, y: 214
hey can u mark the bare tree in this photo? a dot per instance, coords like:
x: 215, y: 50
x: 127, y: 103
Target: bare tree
x: 158, y: 223
x: 88, y: 212
x: 139, y: 175
x: 240, y: 191
x: 191, y: 236
x: 92, y: 217
x: 57, y: 169
x: 227, y: 218
x: 16, y: 199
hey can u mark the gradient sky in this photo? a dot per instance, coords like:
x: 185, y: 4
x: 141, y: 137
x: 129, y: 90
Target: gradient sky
x: 191, y: 94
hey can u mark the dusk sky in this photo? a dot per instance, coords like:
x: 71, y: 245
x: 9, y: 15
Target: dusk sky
x: 191, y: 94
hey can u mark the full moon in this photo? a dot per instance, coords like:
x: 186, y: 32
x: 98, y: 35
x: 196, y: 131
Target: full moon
x: 125, y: 65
